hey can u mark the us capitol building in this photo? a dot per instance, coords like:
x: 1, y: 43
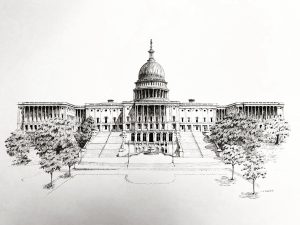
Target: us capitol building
x: 150, y: 119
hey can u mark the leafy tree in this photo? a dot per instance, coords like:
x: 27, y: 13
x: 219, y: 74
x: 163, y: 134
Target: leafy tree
x: 276, y: 130
x: 254, y: 167
x: 18, y: 145
x: 70, y: 153
x: 51, y: 139
x: 236, y: 129
x: 85, y: 131
x: 233, y: 155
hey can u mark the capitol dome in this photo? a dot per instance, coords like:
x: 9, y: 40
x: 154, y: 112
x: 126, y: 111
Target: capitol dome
x: 151, y: 70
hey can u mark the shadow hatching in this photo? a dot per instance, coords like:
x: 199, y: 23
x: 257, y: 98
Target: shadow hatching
x: 225, y: 181
x: 249, y: 195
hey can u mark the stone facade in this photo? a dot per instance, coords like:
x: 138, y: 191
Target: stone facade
x: 150, y: 117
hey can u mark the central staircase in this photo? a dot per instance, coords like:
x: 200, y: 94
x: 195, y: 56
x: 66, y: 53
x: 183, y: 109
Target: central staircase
x: 189, y: 145
x: 199, y: 138
x: 103, y: 145
x: 112, y: 145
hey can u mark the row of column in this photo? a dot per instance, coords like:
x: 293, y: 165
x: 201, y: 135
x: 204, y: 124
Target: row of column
x: 41, y: 113
x: 150, y: 113
x: 221, y: 113
x: 157, y: 137
x: 80, y: 115
x: 151, y: 93
x: 260, y: 112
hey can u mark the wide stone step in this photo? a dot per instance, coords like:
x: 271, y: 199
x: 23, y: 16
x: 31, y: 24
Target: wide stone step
x: 94, y: 146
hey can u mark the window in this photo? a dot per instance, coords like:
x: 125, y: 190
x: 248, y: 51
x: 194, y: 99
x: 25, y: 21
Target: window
x: 164, y: 136
x: 97, y: 120
x: 132, y: 137
x: 211, y: 119
x: 127, y: 126
x: 189, y: 119
x: 115, y: 119
x: 139, y: 126
x: 163, y: 126
x: 157, y: 137
x: 105, y: 119
x: 138, y: 137
x: 127, y: 118
x: 182, y: 119
x: 197, y: 119
x: 170, y: 137
x: 204, y: 119
x: 174, y: 118
x: 139, y: 119
x: 144, y: 136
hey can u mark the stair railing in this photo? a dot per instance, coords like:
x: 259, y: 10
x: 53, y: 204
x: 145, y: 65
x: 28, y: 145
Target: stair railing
x: 104, y: 144
x: 197, y: 145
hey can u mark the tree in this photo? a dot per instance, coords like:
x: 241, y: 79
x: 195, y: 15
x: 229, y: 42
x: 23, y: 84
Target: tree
x: 233, y: 155
x: 51, y: 139
x: 276, y: 130
x: 236, y: 129
x: 85, y: 131
x: 70, y: 153
x: 254, y: 167
x: 18, y: 145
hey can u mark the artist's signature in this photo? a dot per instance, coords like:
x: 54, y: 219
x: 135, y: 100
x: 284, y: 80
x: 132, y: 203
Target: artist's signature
x: 270, y: 190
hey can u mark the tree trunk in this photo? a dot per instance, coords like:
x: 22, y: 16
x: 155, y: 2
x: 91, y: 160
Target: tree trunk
x: 232, y: 171
x: 277, y: 139
x: 51, y: 179
x: 253, y: 186
x: 69, y: 171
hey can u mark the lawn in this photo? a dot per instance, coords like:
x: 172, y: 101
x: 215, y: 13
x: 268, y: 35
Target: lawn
x: 148, y: 197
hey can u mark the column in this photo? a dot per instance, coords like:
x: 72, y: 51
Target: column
x: 34, y: 114
x: 147, y: 116
x: 143, y: 116
x: 44, y: 112
x: 52, y: 113
x: 26, y: 114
